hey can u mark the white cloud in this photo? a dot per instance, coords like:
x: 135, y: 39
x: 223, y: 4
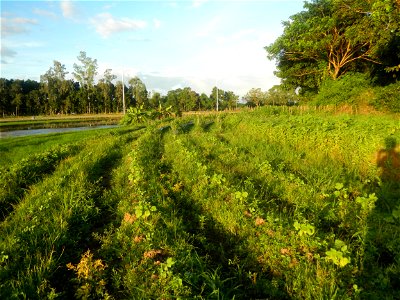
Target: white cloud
x: 68, y: 9
x: 235, y: 62
x: 106, y: 24
x: 26, y: 44
x: 108, y: 6
x: 44, y: 13
x: 11, y: 26
x: 157, y: 23
x: 208, y: 28
x: 198, y: 3
x: 173, y: 4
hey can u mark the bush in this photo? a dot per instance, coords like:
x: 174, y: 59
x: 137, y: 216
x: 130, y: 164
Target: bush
x: 134, y: 115
x: 387, y: 98
x: 138, y: 115
x: 349, y: 89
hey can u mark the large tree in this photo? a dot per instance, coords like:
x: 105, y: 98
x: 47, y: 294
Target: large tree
x: 54, y: 87
x: 332, y: 37
x: 188, y: 99
x: 84, y: 74
x: 217, y: 94
x: 106, y: 89
x: 255, y: 97
x: 155, y: 99
x: 139, y: 91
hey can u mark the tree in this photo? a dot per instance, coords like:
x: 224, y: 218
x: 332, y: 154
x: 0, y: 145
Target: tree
x: 204, y: 102
x: 117, y: 105
x: 5, y: 98
x: 33, y: 102
x: 155, y: 99
x: 332, y: 37
x: 70, y: 102
x: 255, y: 97
x: 139, y: 92
x: 53, y: 87
x: 220, y: 95
x: 231, y: 99
x: 279, y: 95
x: 106, y: 88
x: 30, y: 89
x: 16, y: 95
x: 173, y: 100
x: 85, y: 74
x: 187, y: 99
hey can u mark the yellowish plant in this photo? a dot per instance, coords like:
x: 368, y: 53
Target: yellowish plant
x: 89, y: 277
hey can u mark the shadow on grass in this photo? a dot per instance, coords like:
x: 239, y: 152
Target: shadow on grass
x: 222, y: 262
x: 228, y: 257
x: 382, y: 247
x: 80, y: 233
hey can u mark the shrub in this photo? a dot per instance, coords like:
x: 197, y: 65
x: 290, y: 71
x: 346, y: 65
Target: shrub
x: 387, y: 98
x: 348, y: 89
x: 134, y: 115
x: 137, y: 115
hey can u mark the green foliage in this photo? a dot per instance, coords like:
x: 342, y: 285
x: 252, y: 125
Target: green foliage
x: 332, y: 38
x: 139, y: 115
x: 304, y: 229
x: 356, y: 89
x: 56, y: 95
x: 134, y: 115
x: 278, y: 95
x: 337, y: 254
x: 349, y: 89
x: 139, y: 92
x: 387, y: 98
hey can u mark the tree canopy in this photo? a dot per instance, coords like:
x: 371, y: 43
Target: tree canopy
x: 330, y: 38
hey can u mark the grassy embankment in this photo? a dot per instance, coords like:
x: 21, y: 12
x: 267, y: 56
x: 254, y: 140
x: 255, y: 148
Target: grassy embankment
x: 58, y: 120
x: 276, y: 204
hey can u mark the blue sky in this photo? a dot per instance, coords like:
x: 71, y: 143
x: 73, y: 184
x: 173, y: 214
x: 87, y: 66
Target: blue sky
x: 168, y: 44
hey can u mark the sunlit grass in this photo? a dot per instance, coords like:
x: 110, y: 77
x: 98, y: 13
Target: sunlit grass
x: 265, y: 204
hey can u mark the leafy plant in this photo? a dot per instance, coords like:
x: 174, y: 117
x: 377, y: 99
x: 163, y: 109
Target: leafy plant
x: 338, y: 253
x: 90, y: 274
x: 135, y: 115
x: 304, y: 229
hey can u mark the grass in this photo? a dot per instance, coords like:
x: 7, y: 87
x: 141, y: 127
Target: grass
x: 263, y: 204
x: 14, y: 149
x: 56, y: 118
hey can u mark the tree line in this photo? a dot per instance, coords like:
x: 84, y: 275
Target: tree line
x: 55, y: 94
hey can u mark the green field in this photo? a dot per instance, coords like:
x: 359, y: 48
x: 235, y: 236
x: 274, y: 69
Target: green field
x: 15, y: 123
x: 268, y: 204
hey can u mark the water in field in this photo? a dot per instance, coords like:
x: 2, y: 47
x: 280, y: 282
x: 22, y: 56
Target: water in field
x: 26, y: 132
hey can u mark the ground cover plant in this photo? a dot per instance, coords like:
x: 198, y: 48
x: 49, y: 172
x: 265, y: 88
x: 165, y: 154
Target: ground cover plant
x: 275, y: 203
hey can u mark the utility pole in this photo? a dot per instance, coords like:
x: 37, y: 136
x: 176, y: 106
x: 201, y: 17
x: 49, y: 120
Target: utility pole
x: 123, y: 93
x: 217, y: 98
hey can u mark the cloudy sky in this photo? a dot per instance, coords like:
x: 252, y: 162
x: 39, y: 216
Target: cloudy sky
x: 168, y: 44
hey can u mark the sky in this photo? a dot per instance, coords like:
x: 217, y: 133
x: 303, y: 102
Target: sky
x: 167, y: 44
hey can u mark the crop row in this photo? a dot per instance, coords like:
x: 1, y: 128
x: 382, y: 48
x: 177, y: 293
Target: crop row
x: 15, y: 180
x: 55, y: 220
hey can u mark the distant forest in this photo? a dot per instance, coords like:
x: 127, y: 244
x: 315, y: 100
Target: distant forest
x: 55, y: 94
